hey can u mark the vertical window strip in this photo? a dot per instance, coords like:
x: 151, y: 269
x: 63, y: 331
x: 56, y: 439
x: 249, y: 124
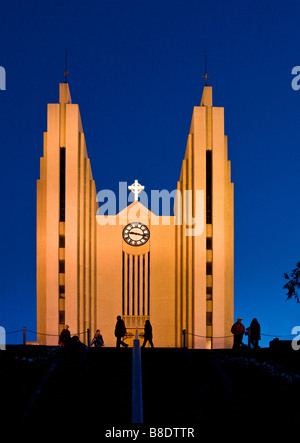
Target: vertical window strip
x: 208, y: 186
x: 123, y: 283
x: 148, y: 277
x: 128, y: 280
x: 138, y: 285
x: 62, y: 185
x: 133, y: 284
x: 143, y: 284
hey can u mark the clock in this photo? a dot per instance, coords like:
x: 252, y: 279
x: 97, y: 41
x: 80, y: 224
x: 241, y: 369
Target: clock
x: 136, y: 234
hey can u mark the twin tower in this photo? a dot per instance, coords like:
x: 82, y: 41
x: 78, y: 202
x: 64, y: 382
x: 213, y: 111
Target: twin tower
x: 176, y: 271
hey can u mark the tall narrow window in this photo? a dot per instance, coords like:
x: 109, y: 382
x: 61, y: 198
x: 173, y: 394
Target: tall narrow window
x: 143, y: 303
x: 61, y: 241
x: 62, y: 185
x: 208, y: 318
x: 135, y: 284
x: 138, y: 284
x: 61, y: 266
x: 208, y: 292
x: 209, y: 187
x: 123, y: 284
x: 208, y: 268
x: 128, y: 283
x: 148, y: 302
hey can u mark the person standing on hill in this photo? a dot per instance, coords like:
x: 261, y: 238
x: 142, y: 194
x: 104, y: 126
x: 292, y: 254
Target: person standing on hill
x: 254, y: 333
x: 238, y: 330
x: 65, y: 336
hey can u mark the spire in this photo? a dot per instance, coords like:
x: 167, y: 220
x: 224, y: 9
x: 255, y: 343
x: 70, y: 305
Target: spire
x: 205, y: 76
x: 206, y: 99
x: 66, y: 73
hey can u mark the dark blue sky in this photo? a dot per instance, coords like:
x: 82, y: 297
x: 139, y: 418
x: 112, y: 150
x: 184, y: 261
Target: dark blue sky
x: 136, y: 72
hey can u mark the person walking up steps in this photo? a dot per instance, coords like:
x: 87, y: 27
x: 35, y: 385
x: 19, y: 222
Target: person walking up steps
x: 120, y: 331
x: 148, y: 334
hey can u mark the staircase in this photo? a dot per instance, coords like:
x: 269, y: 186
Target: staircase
x: 180, y: 387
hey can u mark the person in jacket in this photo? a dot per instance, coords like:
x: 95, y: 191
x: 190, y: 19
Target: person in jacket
x: 64, y: 338
x: 120, y: 331
x: 97, y: 341
x: 148, y: 334
x: 238, y: 330
x: 254, y: 333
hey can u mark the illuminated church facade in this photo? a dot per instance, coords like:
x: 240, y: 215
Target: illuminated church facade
x: 176, y: 271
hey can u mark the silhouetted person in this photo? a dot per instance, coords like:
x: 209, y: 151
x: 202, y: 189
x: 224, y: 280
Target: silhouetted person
x: 64, y: 338
x: 254, y: 333
x: 120, y: 331
x: 238, y: 330
x: 148, y: 334
x: 97, y: 340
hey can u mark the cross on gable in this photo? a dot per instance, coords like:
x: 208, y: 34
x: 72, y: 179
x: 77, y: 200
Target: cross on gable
x: 136, y: 188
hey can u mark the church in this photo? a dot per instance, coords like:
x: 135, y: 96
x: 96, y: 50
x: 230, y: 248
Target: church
x: 176, y: 271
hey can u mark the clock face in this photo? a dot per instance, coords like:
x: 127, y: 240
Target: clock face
x: 136, y: 234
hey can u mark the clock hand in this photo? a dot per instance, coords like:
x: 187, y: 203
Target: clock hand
x: 135, y: 233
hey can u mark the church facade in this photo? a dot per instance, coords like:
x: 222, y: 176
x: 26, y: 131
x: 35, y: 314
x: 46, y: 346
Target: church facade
x: 176, y: 271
